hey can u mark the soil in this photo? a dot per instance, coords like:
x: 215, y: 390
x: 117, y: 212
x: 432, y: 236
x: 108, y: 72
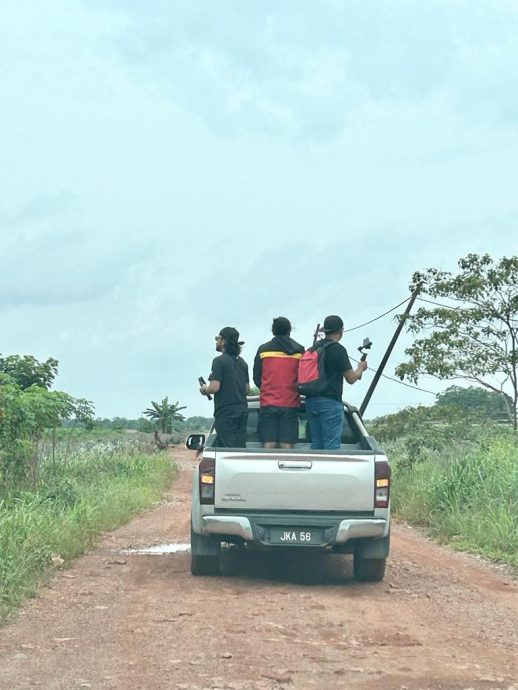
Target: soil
x: 117, y: 619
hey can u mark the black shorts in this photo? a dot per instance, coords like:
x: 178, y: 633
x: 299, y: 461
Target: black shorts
x: 278, y: 424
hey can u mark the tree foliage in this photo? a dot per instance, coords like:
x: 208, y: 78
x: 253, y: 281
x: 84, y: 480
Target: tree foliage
x: 472, y: 334
x: 163, y: 415
x: 24, y: 415
x: 27, y: 371
x: 476, y: 401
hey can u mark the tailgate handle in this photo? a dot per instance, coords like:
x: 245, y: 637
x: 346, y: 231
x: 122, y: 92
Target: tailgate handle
x: 295, y: 464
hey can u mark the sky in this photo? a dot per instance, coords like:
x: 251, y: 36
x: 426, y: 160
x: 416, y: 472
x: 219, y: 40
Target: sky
x: 170, y: 167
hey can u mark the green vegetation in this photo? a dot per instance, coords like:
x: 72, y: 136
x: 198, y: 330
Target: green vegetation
x: 59, y: 487
x: 456, y: 475
x: 455, y: 467
x: 25, y: 414
x: 82, y: 490
x: 472, y: 332
x: 142, y: 425
x: 26, y: 371
x: 164, y: 414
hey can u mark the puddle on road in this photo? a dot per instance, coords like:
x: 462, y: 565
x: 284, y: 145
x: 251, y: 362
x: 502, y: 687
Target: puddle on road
x: 159, y: 550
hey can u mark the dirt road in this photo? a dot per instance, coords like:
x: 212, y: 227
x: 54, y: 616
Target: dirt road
x: 129, y: 620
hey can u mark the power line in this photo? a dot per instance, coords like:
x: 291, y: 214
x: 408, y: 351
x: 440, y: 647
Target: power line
x: 348, y: 330
x: 401, y: 383
x: 437, y: 304
x: 408, y: 385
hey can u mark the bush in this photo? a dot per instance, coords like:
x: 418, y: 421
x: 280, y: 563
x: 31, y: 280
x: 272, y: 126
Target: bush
x: 467, y: 494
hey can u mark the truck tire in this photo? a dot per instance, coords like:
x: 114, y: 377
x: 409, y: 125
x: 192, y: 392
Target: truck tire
x: 369, y: 569
x: 204, y: 554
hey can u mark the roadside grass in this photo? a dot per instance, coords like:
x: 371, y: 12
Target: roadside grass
x: 465, y: 495
x: 94, y: 488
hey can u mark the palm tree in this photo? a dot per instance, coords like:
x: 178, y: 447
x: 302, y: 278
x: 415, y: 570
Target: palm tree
x: 164, y: 414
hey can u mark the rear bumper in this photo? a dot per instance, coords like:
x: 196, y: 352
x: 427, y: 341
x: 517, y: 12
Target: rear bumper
x: 336, y: 531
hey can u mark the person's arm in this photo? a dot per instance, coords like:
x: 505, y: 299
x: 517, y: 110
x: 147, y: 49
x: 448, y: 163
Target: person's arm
x: 210, y: 388
x: 353, y: 375
x: 247, y: 385
x: 215, y: 378
x: 258, y: 369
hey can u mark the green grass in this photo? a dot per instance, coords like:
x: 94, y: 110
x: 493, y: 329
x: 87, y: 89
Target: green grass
x: 465, y: 494
x: 94, y: 488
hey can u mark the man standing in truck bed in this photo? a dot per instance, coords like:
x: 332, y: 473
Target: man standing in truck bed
x: 228, y: 382
x: 275, y: 374
x: 325, y: 411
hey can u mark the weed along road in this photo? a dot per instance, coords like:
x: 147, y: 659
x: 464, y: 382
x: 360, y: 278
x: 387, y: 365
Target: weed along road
x: 130, y: 615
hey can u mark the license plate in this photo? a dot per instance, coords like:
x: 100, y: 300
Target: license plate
x: 295, y: 536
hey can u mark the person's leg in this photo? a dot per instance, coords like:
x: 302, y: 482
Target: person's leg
x: 226, y: 430
x: 241, y: 422
x: 331, y: 419
x: 267, y: 430
x: 288, y: 427
x: 312, y: 415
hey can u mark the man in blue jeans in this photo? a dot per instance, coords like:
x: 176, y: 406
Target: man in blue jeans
x: 325, y: 412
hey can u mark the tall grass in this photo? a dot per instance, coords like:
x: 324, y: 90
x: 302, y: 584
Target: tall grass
x: 93, y: 488
x: 465, y: 494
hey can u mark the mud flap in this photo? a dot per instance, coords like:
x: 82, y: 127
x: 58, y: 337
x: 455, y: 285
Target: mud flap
x: 373, y: 548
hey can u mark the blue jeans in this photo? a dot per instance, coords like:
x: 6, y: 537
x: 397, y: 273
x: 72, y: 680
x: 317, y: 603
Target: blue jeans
x: 326, y: 419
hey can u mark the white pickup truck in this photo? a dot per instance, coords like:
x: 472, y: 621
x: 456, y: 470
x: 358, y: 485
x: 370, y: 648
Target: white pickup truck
x: 292, y: 498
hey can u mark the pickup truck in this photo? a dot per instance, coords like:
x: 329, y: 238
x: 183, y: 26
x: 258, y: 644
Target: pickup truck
x: 337, y: 500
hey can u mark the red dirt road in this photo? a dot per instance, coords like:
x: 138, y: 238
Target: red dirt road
x: 115, y: 620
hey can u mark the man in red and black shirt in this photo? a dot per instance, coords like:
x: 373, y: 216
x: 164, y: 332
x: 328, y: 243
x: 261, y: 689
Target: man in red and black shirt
x: 276, y: 367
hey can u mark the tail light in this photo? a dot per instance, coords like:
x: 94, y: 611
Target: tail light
x: 207, y: 469
x: 382, y: 484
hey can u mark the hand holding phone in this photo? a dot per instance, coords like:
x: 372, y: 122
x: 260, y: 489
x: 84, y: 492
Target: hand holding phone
x: 202, y: 382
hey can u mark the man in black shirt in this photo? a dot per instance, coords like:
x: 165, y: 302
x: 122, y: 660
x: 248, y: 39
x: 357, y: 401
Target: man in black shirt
x: 325, y: 411
x: 229, y: 383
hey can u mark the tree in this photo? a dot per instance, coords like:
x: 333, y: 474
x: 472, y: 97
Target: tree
x: 197, y: 424
x: 474, y: 400
x: 24, y: 416
x: 163, y: 415
x: 27, y: 371
x: 474, y: 336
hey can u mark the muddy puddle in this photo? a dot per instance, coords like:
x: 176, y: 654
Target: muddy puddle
x: 158, y: 550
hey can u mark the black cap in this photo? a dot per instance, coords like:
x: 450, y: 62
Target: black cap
x: 231, y: 335
x: 332, y: 324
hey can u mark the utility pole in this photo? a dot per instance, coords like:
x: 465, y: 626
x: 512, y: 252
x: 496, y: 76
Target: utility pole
x: 379, y: 372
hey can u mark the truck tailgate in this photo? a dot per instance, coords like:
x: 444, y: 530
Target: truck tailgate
x: 285, y: 481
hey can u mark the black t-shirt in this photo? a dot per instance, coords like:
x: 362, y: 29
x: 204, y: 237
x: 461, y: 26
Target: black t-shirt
x: 232, y: 373
x: 336, y: 362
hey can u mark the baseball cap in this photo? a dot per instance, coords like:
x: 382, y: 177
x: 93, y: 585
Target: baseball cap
x: 332, y: 323
x: 231, y: 335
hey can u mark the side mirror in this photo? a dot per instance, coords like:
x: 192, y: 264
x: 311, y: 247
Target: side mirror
x: 195, y: 441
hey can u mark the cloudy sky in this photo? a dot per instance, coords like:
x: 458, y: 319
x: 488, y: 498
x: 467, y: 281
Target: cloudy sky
x: 169, y: 167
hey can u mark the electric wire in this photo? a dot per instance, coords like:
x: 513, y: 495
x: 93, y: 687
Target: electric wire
x: 401, y: 383
x: 348, y: 330
x: 437, y: 304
